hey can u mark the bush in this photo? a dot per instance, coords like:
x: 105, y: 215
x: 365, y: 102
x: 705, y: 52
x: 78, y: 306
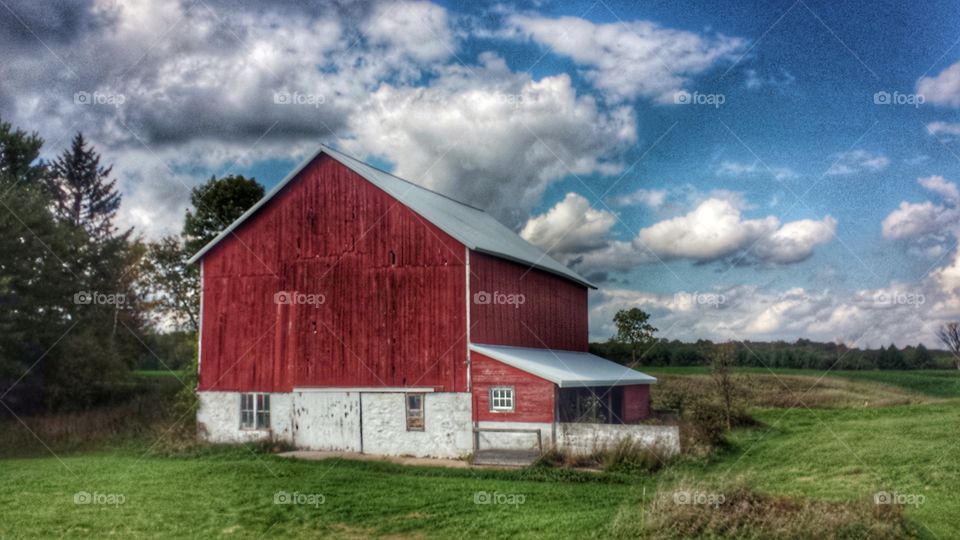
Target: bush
x: 692, y: 511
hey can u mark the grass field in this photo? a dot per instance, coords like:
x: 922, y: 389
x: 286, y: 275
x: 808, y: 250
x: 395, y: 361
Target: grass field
x: 831, y: 454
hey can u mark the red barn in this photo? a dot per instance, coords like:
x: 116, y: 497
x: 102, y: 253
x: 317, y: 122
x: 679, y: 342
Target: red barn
x: 352, y: 310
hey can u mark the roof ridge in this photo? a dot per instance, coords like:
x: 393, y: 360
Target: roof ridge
x: 327, y: 148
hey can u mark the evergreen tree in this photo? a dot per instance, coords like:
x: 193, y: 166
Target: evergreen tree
x: 83, y: 193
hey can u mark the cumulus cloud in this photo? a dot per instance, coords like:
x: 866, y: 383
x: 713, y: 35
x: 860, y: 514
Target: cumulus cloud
x: 571, y: 226
x: 857, y: 161
x: 716, y: 229
x: 492, y: 137
x: 951, y: 129
x: 916, y: 220
x: 630, y: 59
x: 713, y: 230
x: 942, y: 89
x: 160, y: 80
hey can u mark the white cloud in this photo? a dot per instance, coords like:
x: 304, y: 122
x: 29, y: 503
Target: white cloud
x: 491, y: 137
x: 713, y: 230
x: 737, y: 169
x: 571, y: 226
x: 943, y: 89
x: 651, y: 198
x: 795, y: 241
x: 630, y: 59
x: 941, y: 186
x: 916, y: 220
x: 419, y: 29
x: 857, y: 161
x: 944, y: 128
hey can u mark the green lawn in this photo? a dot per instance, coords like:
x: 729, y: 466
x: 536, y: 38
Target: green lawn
x: 232, y: 493
x: 828, y: 454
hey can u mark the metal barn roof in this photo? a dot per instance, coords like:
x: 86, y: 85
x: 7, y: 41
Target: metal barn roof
x: 565, y: 368
x: 470, y: 226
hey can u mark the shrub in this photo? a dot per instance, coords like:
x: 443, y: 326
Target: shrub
x: 631, y: 456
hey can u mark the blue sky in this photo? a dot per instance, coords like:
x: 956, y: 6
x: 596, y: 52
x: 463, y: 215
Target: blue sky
x: 733, y: 168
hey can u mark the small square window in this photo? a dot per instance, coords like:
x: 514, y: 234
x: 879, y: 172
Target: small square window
x: 254, y: 411
x: 501, y: 398
x: 414, y: 412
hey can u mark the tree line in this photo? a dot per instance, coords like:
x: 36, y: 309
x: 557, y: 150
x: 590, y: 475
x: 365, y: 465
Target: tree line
x: 82, y: 303
x: 635, y: 344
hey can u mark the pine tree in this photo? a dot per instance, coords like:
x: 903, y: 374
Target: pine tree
x: 83, y: 193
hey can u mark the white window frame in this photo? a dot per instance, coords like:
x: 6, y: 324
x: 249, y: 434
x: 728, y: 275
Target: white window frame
x: 421, y: 410
x: 258, y: 411
x: 500, y: 403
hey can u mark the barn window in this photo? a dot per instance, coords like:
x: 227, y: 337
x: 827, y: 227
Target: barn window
x: 393, y: 258
x: 255, y: 411
x: 414, y: 412
x: 501, y: 398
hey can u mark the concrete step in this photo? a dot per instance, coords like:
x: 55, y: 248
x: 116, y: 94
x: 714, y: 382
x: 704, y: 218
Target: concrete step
x: 505, y: 458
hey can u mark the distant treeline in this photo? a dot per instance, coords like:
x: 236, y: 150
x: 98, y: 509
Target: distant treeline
x: 802, y: 354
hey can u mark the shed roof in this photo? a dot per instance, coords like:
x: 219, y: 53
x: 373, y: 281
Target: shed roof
x: 470, y: 226
x: 565, y: 368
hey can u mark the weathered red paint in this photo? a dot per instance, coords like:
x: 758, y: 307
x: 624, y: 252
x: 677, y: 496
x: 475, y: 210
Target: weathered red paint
x: 553, y: 314
x: 533, y: 396
x: 393, y: 289
x: 636, y: 403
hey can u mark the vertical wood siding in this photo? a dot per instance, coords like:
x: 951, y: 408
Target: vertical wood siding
x: 553, y: 313
x: 391, y: 283
x: 533, y: 396
x: 636, y: 403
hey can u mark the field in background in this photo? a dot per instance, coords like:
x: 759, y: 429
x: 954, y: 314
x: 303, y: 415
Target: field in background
x: 836, y: 450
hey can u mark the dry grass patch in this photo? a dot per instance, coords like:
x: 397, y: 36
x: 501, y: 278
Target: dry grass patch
x: 736, y: 511
x: 787, y: 391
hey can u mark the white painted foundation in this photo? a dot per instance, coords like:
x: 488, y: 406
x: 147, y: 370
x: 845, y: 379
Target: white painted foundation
x: 374, y: 422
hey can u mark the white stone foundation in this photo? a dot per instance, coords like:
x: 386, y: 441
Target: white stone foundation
x: 374, y: 422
